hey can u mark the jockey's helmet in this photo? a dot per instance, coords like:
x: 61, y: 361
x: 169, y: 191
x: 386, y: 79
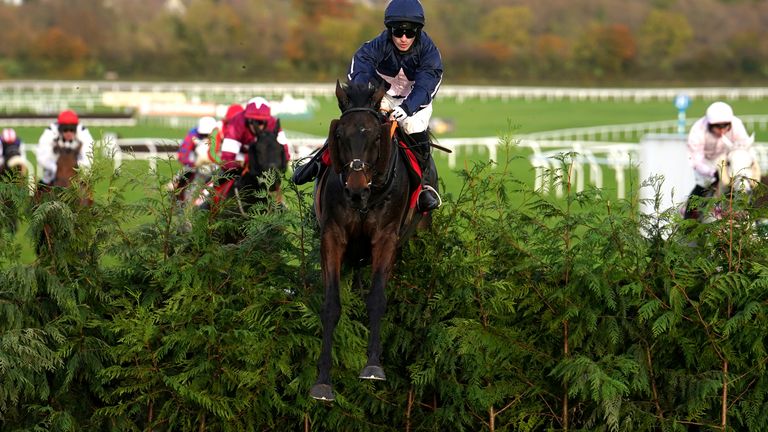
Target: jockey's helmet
x: 9, y: 135
x: 719, y: 113
x: 399, y: 11
x: 206, y: 125
x: 258, y: 109
x: 232, y: 111
x: 68, y: 117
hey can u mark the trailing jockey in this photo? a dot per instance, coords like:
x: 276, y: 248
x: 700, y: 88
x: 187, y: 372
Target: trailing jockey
x: 12, y: 155
x: 242, y: 131
x: 711, y: 137
x: 66, y: 133
x: 193, y: 154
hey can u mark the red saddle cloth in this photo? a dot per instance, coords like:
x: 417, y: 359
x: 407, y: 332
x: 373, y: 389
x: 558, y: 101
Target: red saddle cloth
x: 415, y: 173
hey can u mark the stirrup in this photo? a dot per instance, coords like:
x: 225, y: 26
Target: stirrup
x: 428, y: 188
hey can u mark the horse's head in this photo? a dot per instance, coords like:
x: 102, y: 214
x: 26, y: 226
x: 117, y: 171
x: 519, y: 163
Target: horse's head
x: 742, y: 170
x: 66, y: 162
x: 266, y: 154
x: 359, y: 141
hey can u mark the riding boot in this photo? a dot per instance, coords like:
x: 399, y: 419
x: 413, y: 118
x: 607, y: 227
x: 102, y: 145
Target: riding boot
x: 306, y: 173
x: 429, y: 198
x: 310, y: 170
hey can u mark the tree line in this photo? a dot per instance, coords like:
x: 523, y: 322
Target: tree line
x: 514, y: 312
x: 486, y: 41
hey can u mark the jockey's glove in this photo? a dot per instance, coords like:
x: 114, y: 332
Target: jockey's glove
x: 398, y: 114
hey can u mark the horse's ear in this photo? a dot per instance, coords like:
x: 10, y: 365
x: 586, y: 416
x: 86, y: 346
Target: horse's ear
x: 341, y: 95
x: 378, y: 95
x: 333, y: 147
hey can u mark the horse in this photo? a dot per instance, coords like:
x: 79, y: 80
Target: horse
x: 66, y: 170
x: 266, y: 165
x: 741, y: 172
x: 365, y: 208
x: 738, y: 175
x: 187, y: 185
x: 261, y: 175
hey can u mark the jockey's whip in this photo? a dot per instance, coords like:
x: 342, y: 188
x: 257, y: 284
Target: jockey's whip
x: 439, y: 147
x: 396, y: 124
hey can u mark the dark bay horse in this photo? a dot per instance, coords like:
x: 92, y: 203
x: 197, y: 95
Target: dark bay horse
x: 364, y: 210
x: 266, y: 164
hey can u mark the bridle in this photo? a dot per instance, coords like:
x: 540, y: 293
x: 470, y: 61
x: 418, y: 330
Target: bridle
x: 358, y: 165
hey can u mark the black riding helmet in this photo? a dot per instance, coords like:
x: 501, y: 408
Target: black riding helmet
x: 404, y: 14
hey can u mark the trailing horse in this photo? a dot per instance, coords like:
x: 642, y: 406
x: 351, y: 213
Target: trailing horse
x: 232, y: 195
x: 66, y: 170
x: 266, y: 165
x: 738, y: 175
x: 365, y: 207
x: 261, y: 173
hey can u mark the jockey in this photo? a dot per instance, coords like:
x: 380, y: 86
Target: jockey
x: 12, y: 155
x: 199, y: 135
x: 193, y: 152
x: 406, y: 58
x: 67, y: 131
x: 215, y: 150
x: 242, y: 130
x: 711, y: 137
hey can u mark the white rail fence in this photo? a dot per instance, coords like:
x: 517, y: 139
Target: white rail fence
x: 588, y: 159
x: 50, y: 96
x: 630, y: 131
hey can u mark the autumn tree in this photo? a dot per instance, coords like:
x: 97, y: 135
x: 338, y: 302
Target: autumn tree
x: 552, y: 54
x: 662, y: 38
x: 505, y: 32
x: 606, y: 50
x: 750, y: 53
x: 60, y: 54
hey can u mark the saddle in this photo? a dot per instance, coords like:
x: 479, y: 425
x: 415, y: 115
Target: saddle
x: 415, y: 172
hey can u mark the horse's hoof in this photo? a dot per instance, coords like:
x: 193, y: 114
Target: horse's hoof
x: 322, y: 392
x: 373, y: 373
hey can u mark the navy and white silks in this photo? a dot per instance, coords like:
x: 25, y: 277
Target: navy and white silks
x: 414, y: 76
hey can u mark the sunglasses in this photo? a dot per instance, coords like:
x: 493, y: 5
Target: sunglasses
x: 400, y: 32
x: 67, y: 128
x: 257, y: 122
x: 720, y: 125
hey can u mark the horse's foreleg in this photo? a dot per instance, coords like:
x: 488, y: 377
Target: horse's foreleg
x: 331, y: 263
x: 382, y: 261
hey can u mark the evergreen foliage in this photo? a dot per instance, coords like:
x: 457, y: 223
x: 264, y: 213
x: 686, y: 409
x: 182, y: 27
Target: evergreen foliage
x: 578, y: 314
